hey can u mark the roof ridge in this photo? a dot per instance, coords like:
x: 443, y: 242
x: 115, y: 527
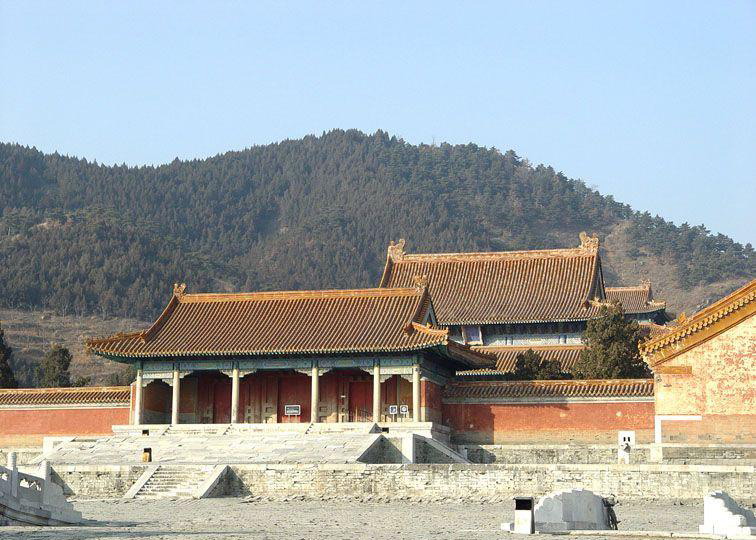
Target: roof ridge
x: 64, y: 390
x: 561, y: 382
x: 525, y: 254
x: 641, y: 287
x: 589, y: 245
x: 378, y: 292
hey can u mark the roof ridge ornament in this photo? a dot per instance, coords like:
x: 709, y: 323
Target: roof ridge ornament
x: 588, y: 242
x: 420, y: 281
x: 396, y: 251
x: 179, y: 289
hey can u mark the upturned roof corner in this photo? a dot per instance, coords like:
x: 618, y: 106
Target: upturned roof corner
x: 701, y: 326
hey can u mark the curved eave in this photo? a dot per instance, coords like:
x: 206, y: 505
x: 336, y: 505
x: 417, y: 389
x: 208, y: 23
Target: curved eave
x: 469, y: 357
x: 304, y: 352
x: 704, y: 325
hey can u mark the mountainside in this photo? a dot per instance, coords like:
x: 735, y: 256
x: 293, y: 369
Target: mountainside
x: 81, y: 238
x: 31, y: 333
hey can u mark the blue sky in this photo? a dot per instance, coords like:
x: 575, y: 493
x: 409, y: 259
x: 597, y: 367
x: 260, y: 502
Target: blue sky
x: 652, y: 102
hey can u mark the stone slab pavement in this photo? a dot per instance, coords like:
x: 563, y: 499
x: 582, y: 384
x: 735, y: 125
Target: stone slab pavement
x: 273, y: 447
x: 237, y: 519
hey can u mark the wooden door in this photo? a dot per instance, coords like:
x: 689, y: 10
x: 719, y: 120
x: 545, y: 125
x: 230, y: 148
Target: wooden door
x: 328, y: 404
x: 343, y: 399
x: 250, y: 397
x: 294, y: 390
x: 270, y: 399
x: 360, y: 401
x: 222, y: 401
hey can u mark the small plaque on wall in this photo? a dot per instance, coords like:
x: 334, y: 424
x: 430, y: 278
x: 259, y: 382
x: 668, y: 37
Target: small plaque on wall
x: 292, y: 410
x: 393, y: 409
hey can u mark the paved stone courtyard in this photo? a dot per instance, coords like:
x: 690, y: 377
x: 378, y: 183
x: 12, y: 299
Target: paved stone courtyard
x: 236, y: 518
x: 272, y: 447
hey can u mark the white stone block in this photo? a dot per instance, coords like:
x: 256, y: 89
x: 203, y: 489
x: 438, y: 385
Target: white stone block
x: 723, y: 516
x: 575, y: 509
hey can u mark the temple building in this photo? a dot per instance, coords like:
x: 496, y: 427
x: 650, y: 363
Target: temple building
x: 406, y: 351
x: 639, y: 304
x: 505, y: 303
x: 300, y: 356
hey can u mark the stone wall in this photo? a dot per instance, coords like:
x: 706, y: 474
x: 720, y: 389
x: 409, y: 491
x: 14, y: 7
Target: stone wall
x: 596, y: 454
x: 24, y: 456
x: 742, y: 454
x: 488, y: 482
x: 425, y: 452
x: 96, y: 481
x: 545, y: 454
x: 435, y: 482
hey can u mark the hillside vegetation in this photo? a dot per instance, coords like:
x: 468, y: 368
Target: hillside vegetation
x: 81, y: 238
x: 31, y: 334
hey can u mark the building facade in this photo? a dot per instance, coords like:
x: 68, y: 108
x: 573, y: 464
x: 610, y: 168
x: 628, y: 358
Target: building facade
x: 705, y: 374
x: 299, y: 356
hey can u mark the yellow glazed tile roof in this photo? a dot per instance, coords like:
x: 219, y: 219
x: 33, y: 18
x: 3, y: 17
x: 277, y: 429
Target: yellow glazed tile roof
x: 288, y: 323
x: 504, y: 287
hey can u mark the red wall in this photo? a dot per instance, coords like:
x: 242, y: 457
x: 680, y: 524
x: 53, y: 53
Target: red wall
x: 712, y: 429
x: 430, y: 401
x: 28, y: 426
x: 558, y: 422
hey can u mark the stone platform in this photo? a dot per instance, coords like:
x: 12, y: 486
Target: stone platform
x: 221, y: 443
x: 192, y: 460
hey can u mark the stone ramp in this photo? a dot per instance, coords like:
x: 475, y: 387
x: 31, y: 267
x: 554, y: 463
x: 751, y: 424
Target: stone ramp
x: 429, y: 450
x: 220, y: 444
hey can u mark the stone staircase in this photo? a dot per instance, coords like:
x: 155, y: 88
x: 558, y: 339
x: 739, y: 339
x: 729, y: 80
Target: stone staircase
x: 181, y: 482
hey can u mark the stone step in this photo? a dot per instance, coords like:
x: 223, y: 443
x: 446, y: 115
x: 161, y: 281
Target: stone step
x: 173, y: 481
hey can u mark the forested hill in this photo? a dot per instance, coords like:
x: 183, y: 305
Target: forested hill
x: 79, y: 237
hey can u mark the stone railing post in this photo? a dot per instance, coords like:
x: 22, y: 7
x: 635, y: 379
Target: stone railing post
x: 12, y: 465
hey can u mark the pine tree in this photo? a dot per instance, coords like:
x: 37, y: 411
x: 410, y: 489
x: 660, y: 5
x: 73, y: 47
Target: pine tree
x: 530, y: 366
x: 54, y: 369
x: 612, y: 348
x: 7, y: 379
x: 124, y: 377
